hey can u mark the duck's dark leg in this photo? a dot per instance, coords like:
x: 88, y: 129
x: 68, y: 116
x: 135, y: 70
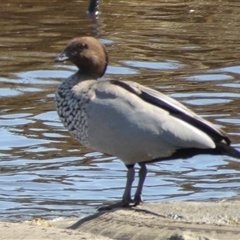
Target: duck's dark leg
x: 142, y: 175
x: 126, y: 199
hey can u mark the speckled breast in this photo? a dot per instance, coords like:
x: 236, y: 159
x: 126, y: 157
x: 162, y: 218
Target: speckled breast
x: 71, y: 109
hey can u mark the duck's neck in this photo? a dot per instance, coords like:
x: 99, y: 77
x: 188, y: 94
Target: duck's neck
x: 80, y: 76
x: 72, y: 88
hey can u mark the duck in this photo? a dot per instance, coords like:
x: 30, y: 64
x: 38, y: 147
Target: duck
x: 93, y: 7
x: 135, y: 123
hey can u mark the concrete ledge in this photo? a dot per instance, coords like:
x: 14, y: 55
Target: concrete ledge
x: 171, y: 221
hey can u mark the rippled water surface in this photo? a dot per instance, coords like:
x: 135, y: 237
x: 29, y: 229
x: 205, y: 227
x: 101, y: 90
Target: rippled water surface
x: 189, y: 50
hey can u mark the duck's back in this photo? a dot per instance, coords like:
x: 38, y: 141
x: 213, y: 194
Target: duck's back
x: 122, y: 124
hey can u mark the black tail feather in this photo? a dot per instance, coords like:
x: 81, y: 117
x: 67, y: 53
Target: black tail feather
x: 221, y: 149
x: 228, y: 150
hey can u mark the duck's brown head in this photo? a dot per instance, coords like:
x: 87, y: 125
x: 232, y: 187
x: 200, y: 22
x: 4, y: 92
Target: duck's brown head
x: 88, y: 54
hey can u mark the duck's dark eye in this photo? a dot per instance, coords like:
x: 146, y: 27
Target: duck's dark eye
x: 81, y: 46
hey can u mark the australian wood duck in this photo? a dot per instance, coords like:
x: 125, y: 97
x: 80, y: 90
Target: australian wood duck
x: 134, y: 123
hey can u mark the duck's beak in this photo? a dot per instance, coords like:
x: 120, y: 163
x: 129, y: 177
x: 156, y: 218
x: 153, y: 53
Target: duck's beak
x: 62, y: 57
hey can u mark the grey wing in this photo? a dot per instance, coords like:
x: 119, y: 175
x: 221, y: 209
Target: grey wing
x: 175, y: 109
x: 136, y: 123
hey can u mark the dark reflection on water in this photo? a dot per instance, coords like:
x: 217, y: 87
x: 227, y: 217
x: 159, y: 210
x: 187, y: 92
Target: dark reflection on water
x: 189, y: 50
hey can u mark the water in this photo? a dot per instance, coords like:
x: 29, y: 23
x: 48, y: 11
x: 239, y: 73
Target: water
x: 189, y: 51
